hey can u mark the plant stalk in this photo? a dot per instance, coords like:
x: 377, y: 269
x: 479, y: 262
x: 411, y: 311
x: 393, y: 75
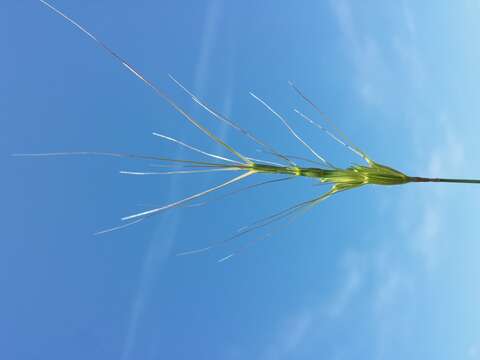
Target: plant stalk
x: 461, y: 181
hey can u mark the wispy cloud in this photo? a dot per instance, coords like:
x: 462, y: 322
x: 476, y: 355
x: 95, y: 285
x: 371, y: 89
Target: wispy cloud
x: 306, y: 325
x: 157, y: 253
x: 449, y: 154
x: 426, y: 238
x: 473, y: 351
x: 376, y: 66
x: 367, y: 58
x: 290, y: 334
x: 209, y: 35
x: 427, y: 229
x: 228, y: 99
x: 410, y: 22
x: 381, y: 282
x: 355, y: 271
x: 406, y: 49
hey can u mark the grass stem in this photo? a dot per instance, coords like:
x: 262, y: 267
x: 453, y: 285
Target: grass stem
x: 443, y: 180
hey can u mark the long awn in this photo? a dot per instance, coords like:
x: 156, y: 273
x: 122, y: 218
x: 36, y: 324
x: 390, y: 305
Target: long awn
x: 339, y: 179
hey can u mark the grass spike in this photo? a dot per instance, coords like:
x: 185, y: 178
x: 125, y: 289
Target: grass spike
x: 340, y: 179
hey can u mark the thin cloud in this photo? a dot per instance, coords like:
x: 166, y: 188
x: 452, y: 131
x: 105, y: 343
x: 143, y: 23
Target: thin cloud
x: 406, y: 49
x: 209, y: 38
x: 157, y: 253
x: 290, y: 335
x: 447, y: 158
x: 376, y: 64
x: 428, y: 236
x: 354, y: 264
x: 367, y: 58
x: 473, y: 351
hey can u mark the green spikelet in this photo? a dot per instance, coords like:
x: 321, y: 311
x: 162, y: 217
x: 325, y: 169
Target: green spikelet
x: 349, y: 178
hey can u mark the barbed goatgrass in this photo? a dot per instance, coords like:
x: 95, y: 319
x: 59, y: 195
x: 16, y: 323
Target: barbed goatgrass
x: 340, y: 179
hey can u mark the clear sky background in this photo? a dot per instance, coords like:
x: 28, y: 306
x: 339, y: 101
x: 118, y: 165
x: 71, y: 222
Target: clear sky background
x: 375, y: 273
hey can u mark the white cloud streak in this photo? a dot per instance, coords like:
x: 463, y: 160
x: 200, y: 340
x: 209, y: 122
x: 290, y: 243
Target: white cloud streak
x: 163, y: 239
x: 289, y: 335
x: 355, y: 272
x: 447, y: 158
x: 157, y: 253
x: 366, y: 56
x: 377, y: 66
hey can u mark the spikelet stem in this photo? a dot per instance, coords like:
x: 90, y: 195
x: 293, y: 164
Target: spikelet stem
x: 461, y: 181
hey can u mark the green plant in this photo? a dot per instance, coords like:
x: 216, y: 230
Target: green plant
x: 340, y: 179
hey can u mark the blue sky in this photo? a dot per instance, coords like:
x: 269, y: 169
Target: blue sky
x: 375, y: 273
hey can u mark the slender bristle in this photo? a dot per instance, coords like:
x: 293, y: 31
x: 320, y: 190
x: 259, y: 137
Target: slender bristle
x: 328, y: 120
x: 181, y: 143
x: 176, y: 172
x: 290, y: 129
x: 286, y: 213
x: 189, y: 198
x: 123, y: 226
x: 231, y: 123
